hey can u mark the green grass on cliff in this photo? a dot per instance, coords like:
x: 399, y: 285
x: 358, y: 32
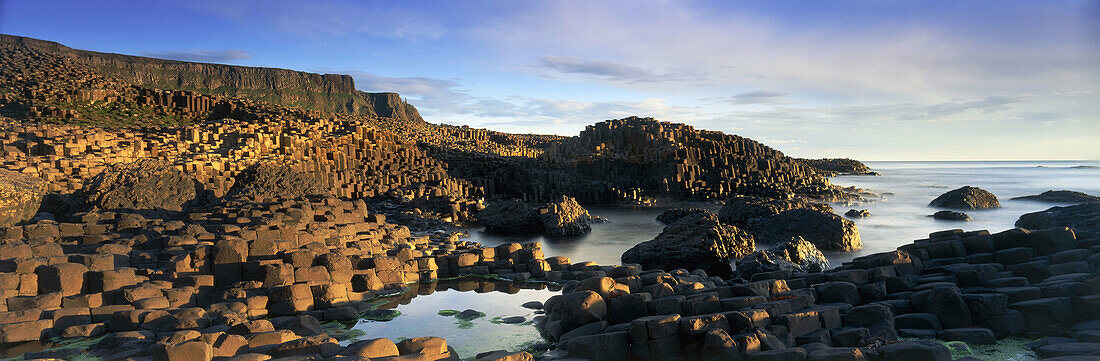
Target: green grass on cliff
x: 116, y: 114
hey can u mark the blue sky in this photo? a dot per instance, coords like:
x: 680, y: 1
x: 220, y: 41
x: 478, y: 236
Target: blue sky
x: 872, y: 80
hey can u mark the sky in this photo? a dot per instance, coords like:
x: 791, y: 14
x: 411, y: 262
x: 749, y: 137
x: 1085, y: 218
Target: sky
x: 866, y: 79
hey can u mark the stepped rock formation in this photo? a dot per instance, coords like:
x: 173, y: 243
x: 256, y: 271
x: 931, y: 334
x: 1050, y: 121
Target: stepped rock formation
x: 322, y: 92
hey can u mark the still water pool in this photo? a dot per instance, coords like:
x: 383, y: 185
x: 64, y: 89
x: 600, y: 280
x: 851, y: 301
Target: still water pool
x: 421, y: 315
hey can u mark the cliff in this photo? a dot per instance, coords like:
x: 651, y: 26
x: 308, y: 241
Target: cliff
x: 323, y: 92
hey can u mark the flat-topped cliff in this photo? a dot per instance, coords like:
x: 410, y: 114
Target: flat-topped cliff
x: 334, y: 93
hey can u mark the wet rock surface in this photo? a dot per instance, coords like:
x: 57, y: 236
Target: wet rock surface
x: 966, y: 197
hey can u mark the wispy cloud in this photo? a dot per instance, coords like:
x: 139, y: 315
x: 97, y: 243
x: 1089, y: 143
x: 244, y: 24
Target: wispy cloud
x: 610, y: 70
x: 755, y: 97
x: 205, y: 56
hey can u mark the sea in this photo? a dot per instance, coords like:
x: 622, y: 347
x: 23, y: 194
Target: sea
x: 899, y: 215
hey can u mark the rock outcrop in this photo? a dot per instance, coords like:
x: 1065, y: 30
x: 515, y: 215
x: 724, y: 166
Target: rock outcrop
x: 951, y: 216
x: 741, y: 209
x: 673, y: 214
x: 826, y: 230
x: 20, y: 197
x: 1085, y: 216
x: 142, y: 185
x: 565, y: 217
x: 857, y: 213
x: 839, y: 166
x: 966, y: 197
x: 1060, y: 197
x: 793, y: 255
x: 697, y: 240
x: 510, y: 217
x: 268, y: 180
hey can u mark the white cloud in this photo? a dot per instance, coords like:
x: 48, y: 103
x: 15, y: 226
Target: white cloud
x: 205, y: 56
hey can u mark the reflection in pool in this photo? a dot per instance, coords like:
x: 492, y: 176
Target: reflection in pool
x: 495, y: 298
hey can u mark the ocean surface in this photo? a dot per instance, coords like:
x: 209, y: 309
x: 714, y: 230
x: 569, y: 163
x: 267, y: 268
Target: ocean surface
x: 899, y: 216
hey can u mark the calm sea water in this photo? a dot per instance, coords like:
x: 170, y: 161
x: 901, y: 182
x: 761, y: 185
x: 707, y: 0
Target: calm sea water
x: 900, y: 217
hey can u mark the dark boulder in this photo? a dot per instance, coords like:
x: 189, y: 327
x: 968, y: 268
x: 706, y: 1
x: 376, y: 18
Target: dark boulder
x: 142, y: 185
x: 510, y: 217
x: 1060, y: 197
x: 860, y: 213
x: 795, y: 254
x: 269, y: 180
x: 914, y: 351
x: 697, y: 241
x: 1084, y: 216
x: 672, y: 215
x: 826, y: 230
x: 966, y: 198
x: 20, y: 197
x: 951, y: 216
x: 565, y: 217
x: 740, y: 210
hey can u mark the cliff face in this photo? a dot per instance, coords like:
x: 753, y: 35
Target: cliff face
x: 322, y: 92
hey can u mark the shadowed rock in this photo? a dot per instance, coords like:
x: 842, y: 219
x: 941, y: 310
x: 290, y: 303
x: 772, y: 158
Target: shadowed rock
x: 698, y: 240
x: 143, y: 185
x: 826, y: 230
x: 966, y: 198
x: 20, y: 197
x: 270, y: 180
x: 1060, y: 197
x: 795, y: 254
x: 740, y: 210
x: 510, y: 217
x: 951, y: 216
x: 1082, y: 216
x: 672, y: 215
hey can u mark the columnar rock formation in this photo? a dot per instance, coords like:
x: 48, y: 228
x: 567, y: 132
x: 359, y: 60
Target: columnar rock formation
x: 974, y: 287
